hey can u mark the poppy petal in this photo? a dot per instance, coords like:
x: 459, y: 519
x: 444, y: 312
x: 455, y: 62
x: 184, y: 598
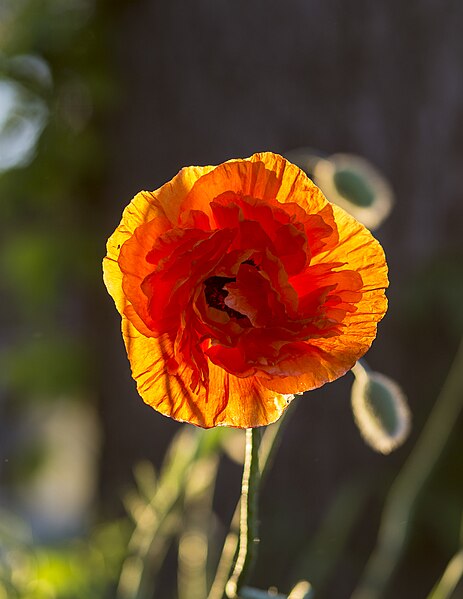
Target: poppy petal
x: 144, y: 207
x: 239, y: 286
x: 228, y: 401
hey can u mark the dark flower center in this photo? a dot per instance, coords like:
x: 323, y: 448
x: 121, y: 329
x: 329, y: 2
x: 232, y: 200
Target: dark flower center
x: 216, y: 294
x: 251, y: 262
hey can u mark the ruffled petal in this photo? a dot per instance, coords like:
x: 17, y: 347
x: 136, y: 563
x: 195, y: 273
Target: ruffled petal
x: 325, y: 359
x: 361, y: 253
x: 238, y: 286
x: 309, y: 368
x: 265, y: 176
x: 164, y: 203
x: 227, y: 401
x: 171, y: 195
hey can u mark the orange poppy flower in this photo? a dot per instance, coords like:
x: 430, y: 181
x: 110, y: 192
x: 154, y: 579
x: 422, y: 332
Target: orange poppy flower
x: 239, y: 286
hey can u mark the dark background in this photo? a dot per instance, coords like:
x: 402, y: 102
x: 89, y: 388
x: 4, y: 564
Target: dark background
x: 158, y: 85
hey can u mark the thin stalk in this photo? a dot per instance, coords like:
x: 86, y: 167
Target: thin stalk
x: 446, y: 586
x: 157, y: 522
x: 197, y: 518
x: 249, y: 524
x: 397, y: 514
x: 271, y: 440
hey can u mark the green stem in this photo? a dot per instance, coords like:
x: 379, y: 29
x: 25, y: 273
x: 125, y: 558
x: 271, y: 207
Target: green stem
x: 249, y: 524
x: 448, y: 583
x: 400, y: 502
x: 271, y: 440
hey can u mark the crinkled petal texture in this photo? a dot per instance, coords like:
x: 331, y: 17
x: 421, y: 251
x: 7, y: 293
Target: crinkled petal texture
x: 240, y: 285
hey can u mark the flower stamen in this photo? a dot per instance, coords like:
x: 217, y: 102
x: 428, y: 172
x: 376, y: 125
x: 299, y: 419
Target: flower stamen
x: 216, y: 294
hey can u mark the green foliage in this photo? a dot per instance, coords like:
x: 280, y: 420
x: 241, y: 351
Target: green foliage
x: 80, y: 568
x: 174, y: 504
x: 44, y: 367
x: 54, y: 72
x: 48, y: 51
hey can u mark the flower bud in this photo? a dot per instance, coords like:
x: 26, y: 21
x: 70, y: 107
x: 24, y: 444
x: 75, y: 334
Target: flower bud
x: 380, y: 410
x: 303, y: 590
x: 350, y: 182
x: 355, y: 185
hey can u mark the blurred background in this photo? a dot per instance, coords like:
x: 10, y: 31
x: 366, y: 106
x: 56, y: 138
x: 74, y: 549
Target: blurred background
x: 100, y: 99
